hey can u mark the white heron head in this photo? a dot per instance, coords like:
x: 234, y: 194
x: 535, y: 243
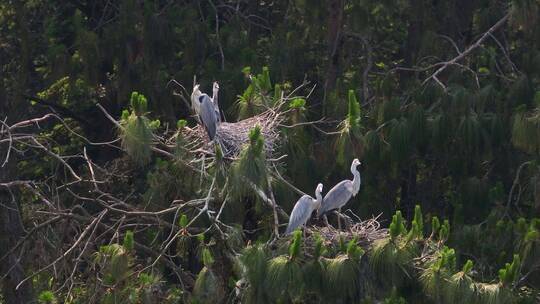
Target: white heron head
x: 318, y: 197
x: 215, y: 86
x: 319, y: 188
x: 355, y: 163
x: 196, y: 90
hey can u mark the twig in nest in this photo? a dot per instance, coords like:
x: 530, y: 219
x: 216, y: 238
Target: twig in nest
x: 366, y: 232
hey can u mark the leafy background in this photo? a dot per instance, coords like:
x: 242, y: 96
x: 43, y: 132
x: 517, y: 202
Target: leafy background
x: 464, y: 146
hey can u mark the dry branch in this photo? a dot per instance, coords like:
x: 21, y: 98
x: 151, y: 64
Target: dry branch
x: 467, y: 51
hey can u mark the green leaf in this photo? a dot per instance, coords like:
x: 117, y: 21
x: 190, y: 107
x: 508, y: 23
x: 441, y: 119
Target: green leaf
x: 297, y: 103
x: 207, y: 257
x: 181, y: 123
x: 129, y: 241
x: 183, y: 222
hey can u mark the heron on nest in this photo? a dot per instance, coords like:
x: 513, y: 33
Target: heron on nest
x: 341, y: 193
x: 206, y: 110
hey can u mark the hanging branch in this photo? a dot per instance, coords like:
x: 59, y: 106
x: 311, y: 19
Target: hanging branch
x: 466, y: 52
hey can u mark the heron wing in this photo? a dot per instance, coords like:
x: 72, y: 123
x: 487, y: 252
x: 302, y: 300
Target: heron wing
x: 208, y: 115
x: 195, y: 104
x: 337, y: 197
x: 300, y: 214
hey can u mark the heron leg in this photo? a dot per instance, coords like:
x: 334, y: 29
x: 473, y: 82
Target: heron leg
x: 326, y: 221
x: 339, y: 218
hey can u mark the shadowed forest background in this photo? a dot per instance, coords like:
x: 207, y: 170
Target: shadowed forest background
x: 108, y: 196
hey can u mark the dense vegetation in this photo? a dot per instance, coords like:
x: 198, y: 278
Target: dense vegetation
x: 105, y: 199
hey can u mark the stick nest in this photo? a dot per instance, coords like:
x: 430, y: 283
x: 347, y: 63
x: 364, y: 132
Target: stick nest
x: 366, y: 232
x: 232, y: 136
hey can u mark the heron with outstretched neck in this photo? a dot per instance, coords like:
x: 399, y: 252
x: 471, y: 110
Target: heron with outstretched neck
x: 341, y: 193
x: 303, y: 208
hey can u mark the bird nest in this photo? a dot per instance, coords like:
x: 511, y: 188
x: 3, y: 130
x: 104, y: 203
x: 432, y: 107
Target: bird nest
x: 366, y: 232
x: 232, y: 136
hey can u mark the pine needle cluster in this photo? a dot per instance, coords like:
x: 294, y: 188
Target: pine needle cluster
x: 136, y: 130
x: 251, y: 165
x: 256, y: 97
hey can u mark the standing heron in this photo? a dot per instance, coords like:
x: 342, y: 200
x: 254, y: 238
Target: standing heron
x: 215, y: 90
x: 338, y: 196
x: 204, y: 107
x: 303, y: 208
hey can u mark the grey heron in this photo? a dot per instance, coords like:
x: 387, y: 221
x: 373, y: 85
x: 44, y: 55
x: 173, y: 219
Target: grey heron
x: 204, y: 107
x: 341, y: 193
x: 303, y: 208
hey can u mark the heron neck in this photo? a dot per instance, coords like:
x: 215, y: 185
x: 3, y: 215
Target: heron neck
x: 215, y: 96
x: 318, y: 199
x: 356, y: 180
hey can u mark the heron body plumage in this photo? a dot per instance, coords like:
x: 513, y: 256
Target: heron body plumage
x: 208, y: 115
x: 204, y: 107
x: 341, y: 193
x: 303, y: 209
x: 338, y: 196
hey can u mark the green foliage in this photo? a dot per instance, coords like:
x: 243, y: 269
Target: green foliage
x: 435, y: 225
x: 397, y: 226
x: 467, y: 267
x: 526, y: 130
x: 314, y: 270
x: 353, y: 114
x: 138, y: 103
x: 319, y: 250
x: 297, y: 103
x: 255, y: 98
x: 444, y: 140
x: 394, y: 298
x: 469, y: 131
x: 373, y: 146
x: 114, y: 261
x: 47, y: 297
x: 181, y: 123
x: 390, y: 260
x: 284, y: 278
x: 253, y: 265
x: 524, y: 13
x: 136, y: 131
x: 349, y: 143
x: 509, y: 274
x: 436, y: 276
x: 444, y: 232
x: 207, y: 288
x: 251, y: 165
x: 399, y: 139
x: 183, y: 221
x: 354, y: 252
x: 417, y: 225
x: 207, y: 257
x: 342, y: 277
x: 294, y: 248
x: 129, y: 243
